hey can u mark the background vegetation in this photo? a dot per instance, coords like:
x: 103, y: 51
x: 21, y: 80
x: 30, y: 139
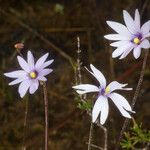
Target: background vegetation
x: 53, y: 26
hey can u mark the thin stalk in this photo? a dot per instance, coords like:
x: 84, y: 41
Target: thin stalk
x: 90, y: 136
x: 25, y: 124
x: 96, y: 147
x: 105, y: 136
x: 137, y: 91
x: 106, y: 139
x: 46, y: 115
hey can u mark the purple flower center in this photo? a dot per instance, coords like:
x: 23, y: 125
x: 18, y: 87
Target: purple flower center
x: 137, y: 38
x: 33, y: 74
x: 102, y: 91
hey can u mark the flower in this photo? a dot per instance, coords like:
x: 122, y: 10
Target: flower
x: 104, y: 92
x: 31, y: 73
x: 129, y: 37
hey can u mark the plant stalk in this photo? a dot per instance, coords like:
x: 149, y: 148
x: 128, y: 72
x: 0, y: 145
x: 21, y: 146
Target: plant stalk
x: 46, y: 115
x: 137, y: 91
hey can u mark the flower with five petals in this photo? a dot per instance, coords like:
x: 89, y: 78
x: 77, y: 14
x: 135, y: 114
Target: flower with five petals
x: 104, y: 92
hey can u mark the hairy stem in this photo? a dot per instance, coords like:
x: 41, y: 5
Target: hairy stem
x: 25, y: 124
x: 137, y: 91
x: 90, y: 136
x: 46, y: 115
x: 105, y: 136
x: 106, y: 139
x: 96, y: 147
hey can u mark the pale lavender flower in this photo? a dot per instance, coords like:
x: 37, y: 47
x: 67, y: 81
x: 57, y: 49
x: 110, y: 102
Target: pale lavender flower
x: 133, y: 36
x: 31, y: 73
x: 104, y: 92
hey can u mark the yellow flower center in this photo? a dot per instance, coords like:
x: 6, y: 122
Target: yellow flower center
x: 136, y: 40
x: 33, y: 75
x: 107, y: 90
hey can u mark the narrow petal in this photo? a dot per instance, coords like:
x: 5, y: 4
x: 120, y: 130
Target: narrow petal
x: 129, y: 22
x: 34, y: 86
x: 145, y: 27
x: 117, y: 86
x: 137, y: 19
x: 119, y: 28
x: 116, y: 37
x: 137, y: 52
x: 45, y: 72
x: 23, y: 87
x: 104, y: 111
x: 146, y: 35
x: 99, y: 76
x: 119, y: 43
x: 100, y: 105
x: 41, y: 78
x: 30, y: 60
x: 120, y: 50
x: 122, y: 104
x: 41, y: 60
x: 23, y: 64
x: 145, y: 44
x: 125, y: 53
x: 15, y: 74
x: 85, y: 88
x: 117, y: 52
x: 46, y: 64
x: 16, y: 81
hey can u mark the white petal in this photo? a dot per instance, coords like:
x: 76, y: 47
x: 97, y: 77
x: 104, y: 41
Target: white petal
x: 81, y: 92
x: 146, y: 35
x: 16, y: 74
x: 104, y: 111
x: 145, y: 44
x: 101, y: 105
x: 23, y: 87
x: 137, y: 19
x: 16, y: 81
x: 85, y: 88
x: 34, y: 86
x: 46, y: 64
x: 122, y: 104
x: 125, y: 53
x: 120, y: 50
x: 45, y: 72
x: 24, y: 65
x: 137, y: 52
x: 145, y: 27
x: 119, y: 43
x: 99, y: 76
x: 41, y: 60
x: 116, y: 37
x: 41, y: 78
x: 119, y: 28
x: 129, y: 22
x: 117, y: 86
x: 30, y: 59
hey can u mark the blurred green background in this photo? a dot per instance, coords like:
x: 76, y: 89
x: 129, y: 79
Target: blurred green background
x: 53, y: 26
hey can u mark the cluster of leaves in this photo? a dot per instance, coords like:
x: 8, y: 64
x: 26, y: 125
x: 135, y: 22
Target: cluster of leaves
x: 82, y: 104
x: 136, y: 137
